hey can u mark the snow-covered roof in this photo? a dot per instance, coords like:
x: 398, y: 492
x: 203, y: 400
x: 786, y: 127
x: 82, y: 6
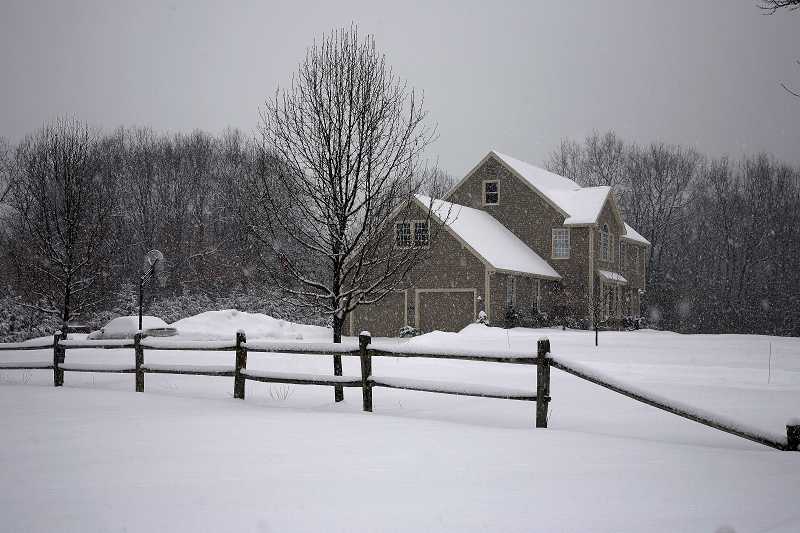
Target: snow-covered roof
x: 490, y: 240
x: 538, y: 177
x: 633, y: 235
x: 580, y: 205
x: 583, y: 205
x: 611, y: 277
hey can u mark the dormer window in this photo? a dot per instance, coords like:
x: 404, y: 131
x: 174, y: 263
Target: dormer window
x: 491, y: 192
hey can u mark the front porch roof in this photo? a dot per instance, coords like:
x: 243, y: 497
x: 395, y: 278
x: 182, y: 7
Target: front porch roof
x: 612, y: 277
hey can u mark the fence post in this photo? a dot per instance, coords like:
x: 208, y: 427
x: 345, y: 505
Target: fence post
x: 338, y: 390
x: 542, y: 381
x: 58, y: 358
x: 366, y: 369
x: 793, y: 437
x: 241, y: 364
x: 138, y: 350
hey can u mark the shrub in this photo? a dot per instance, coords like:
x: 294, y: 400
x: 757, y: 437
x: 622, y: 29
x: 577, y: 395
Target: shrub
x: 408, y: 331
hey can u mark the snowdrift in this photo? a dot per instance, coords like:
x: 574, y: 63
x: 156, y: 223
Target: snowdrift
x: 223, y: 325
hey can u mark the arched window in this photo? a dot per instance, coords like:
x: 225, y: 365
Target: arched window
x: 604, y: 247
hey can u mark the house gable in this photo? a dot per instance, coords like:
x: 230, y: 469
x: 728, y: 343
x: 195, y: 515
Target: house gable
x: 522, y: 210
x: 494, y: 166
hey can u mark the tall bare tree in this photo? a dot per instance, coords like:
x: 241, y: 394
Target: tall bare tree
x: 345, y: 142
x: 62, y: 214
x: 6, y: 169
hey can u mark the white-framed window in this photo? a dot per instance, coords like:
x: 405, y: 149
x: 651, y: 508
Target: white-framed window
x: 421, y: 233
x: 402, y: 233
x: 560, y: 243
x: 636, y: 259
x: 412, y: 233
x: 604, y: 248
x: 511, y: 291
x: 491, y: 192
x: 538, y: 296
x: 623, y: 255
x: 611, y: 250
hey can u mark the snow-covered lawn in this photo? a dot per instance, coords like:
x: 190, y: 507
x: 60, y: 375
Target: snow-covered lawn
x: 185, y: 456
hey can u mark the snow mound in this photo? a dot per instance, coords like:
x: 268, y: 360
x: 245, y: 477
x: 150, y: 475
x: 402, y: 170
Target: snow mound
x: 223, y: 325
x: 125, y: 327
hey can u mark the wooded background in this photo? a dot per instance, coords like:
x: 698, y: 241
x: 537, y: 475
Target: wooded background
x: 80, y: 208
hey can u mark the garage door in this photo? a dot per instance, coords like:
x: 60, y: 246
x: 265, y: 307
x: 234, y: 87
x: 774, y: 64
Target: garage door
x: 445, y: 311
x: 383, y: 319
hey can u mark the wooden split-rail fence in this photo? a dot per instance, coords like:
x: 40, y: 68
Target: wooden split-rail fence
x: 543, y: 361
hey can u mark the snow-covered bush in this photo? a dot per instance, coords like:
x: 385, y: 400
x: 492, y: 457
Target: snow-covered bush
x: 19, y: 322
x: 483, y: 319
x: 632, y: 322
x: 511, y: 319
x: 535, y: 319
x: 408, y: 331
x: 577, y: 323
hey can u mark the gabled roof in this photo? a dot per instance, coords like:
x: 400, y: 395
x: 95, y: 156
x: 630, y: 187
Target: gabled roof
x: 493, y: 243
x: 633, y: 235
x: 538, y: 177
x: 583, y: 205
x: 580, y: 205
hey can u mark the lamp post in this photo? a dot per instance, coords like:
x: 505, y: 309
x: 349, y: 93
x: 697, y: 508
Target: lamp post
x: 153, y: 264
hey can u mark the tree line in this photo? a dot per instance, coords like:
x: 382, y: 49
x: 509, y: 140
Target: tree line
x: 725, y: 247
x: 81, y: 208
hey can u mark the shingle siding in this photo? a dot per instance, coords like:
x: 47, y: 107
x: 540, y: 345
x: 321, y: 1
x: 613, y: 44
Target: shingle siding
x: 531, y: 218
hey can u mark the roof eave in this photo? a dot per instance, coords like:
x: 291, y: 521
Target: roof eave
x: 637, y: 241
x: 527, y: 274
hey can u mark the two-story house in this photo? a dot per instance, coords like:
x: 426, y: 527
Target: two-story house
x: 514, y: 236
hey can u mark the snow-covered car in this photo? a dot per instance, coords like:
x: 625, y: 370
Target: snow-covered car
x: 125, y: 327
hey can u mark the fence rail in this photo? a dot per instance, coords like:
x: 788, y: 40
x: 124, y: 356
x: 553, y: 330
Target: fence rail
x: 366, y: 381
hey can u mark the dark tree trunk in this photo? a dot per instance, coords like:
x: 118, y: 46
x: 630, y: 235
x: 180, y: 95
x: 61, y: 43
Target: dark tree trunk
x: 337, y: 359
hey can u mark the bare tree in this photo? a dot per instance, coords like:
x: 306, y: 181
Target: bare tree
x: 791, y: 91
x: 660, y: 187
x: 438, y: 183
x: 771, y: 6
x: 62, y: 208
x: 568, y: 160
x: 6, y: 169
x: 600, y: 160
x: 345, y: 143
x: 605, y: 160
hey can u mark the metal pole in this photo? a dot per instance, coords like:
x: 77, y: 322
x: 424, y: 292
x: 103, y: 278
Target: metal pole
x: 142, y: 280
x: 141, y: 290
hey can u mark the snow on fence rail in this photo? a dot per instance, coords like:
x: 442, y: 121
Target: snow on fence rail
x: 365, y: 350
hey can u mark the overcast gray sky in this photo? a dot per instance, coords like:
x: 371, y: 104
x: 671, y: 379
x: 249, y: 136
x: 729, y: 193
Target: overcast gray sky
x: 514, y: 76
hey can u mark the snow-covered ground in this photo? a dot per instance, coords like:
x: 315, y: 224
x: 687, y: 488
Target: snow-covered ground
x: 185, y: 456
